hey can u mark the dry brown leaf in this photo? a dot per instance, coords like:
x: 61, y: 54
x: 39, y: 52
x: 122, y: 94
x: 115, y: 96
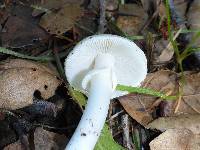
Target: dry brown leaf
x: 140, y: 107
x: 14, y: 146
x: 19, y: 81
x: 131, y: 24
x: 193, y: 17
x: 149, y: 6
x: 59, y: 22
x: 51, y: 5
x: 176, y: 139
x: 181, y: 7
x: 191, y: 122
x: 167, y: 51
x: 45, y: 140
x: 21, y: 31
x: 163, y: 51
x: 22, y: 63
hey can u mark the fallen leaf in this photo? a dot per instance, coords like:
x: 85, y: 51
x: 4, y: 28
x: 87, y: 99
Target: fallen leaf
x: 46, y: 140
x: 49, y: 5
x: 167, y: 51
x: 191, y: 122
x: 132, y: 23
x: 166, y: 48
x: 181, y: 7
x: 21, y: 29
x: 22, y: 63
x: 106, y: 141
x: 176, y: 139
x: 193, y: 17
x: 19, y: 81
x: 149, y: 6
x: 59, y: 22
x: 6, y: 133
x: 14, y: 146
x: 140, y: 107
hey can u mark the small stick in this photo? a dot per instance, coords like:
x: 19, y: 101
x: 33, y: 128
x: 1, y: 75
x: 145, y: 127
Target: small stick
x: 125, y: 133
x: 102, y: 20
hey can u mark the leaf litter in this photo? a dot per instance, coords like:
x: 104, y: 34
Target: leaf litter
x: 177, y: 139
x: 165, y: 81
x: 21, y: 78
x: 59, y: 22
x: 76, y: 20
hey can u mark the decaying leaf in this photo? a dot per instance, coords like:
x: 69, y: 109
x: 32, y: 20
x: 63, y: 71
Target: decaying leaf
x: 176, y: 139
x: 14, y: 146
x: 21, y: 29
x: 191, y: 122
x: 49, y: 5
x: 134, y: 21
x: 167, y: 50
x: 58, y: 22
x: 140, y: 107
x: 44, y: 140
x: 181, y: 7
x: 194, y: 15
x: 194, y: 22
x: 149, y: 6
x: 19, y: 79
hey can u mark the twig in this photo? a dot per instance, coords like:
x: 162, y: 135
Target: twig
x: 115, y: 115
x: 125, y: 133
x: 102, y: 19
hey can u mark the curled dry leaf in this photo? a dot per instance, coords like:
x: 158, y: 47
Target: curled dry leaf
x: 19, y: 79
x: 191, y: 122
x: 176, y: 139
x: 140, y: 107
x: 165, y: 49
x: 59, y: 22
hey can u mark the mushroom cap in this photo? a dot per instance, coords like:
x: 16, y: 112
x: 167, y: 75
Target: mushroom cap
x: 130, y: 62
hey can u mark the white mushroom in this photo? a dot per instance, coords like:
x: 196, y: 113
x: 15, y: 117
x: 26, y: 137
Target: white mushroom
x: 95, y: 66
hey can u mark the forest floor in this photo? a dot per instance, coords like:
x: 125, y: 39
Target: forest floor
x: 40, y: 110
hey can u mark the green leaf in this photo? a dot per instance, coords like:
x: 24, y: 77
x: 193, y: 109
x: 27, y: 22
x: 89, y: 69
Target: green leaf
x: 106, y: 141
x: 147, y: 91
x: 77, y: 96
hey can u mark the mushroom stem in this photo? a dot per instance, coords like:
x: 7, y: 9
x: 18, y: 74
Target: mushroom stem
x: 94, y: 116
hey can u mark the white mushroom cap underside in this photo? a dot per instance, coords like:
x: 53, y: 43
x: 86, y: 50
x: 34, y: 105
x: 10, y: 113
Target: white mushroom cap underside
x: 130, y: 62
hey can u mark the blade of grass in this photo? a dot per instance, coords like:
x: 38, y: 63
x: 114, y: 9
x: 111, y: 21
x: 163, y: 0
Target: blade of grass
x: 146, y: 91
x: 13, y: 53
